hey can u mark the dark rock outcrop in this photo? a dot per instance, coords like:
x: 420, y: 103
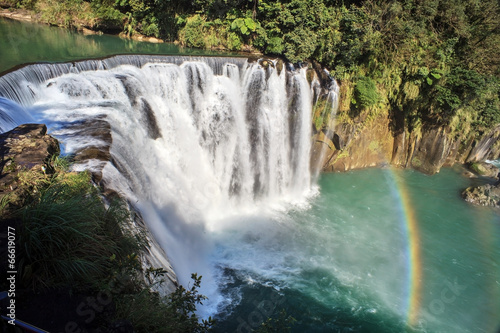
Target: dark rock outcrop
x: 485, y: 195
x: 26, y: 147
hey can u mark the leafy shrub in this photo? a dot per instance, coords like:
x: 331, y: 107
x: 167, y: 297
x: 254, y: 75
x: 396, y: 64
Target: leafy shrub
x: 173, y: 314
x: 365, y: 92
x: 61, y: 13
x: 192, y: 35
x: 107, y: 17
x: 150, y: 29
x: 275, y: 45
x: 281, y: 324
x: 69, y: 235
x: 28, y: 4
x: 244, y: 25
x: 233, y: 41
x: 300, y: 44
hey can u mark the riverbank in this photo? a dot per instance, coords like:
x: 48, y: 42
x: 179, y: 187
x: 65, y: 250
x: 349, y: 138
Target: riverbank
x: 24, y: 15
x: 17, y: 14
x: 90, y: 27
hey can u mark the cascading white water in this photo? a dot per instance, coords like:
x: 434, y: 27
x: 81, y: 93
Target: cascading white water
x: 11, y: 115
x: 330, y: 111
x: 193, y: 142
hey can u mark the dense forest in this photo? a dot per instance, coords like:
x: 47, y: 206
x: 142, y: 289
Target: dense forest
x: 427, y: 62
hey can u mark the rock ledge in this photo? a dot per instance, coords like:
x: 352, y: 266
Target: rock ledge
x: 25, y: 147
x: 485, y: 195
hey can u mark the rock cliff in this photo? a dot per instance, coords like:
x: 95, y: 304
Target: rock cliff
x: 368, y: 141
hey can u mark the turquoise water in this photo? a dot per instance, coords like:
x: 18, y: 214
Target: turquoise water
x: 22, y: 43
x: 342, y: 265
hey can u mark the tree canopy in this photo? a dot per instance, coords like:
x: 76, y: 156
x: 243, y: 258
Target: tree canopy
x: 429, y: 59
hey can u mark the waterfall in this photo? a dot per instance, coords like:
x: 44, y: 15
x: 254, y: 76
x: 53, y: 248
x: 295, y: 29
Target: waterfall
x: 12, y: 114
x: 192, y: 141
x: 329, y: 110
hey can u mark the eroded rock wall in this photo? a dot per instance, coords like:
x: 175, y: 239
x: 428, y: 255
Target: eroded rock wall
x: 355, y: 146
x: 371, y: 142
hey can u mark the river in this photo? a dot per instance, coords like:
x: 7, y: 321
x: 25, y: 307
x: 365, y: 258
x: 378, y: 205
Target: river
x: 23, y: 42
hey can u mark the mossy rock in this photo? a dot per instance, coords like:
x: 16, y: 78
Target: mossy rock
x: 484, y: 169
x: 416, y: 162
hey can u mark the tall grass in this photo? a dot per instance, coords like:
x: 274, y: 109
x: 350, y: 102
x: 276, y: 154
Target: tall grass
x: 69, y: 236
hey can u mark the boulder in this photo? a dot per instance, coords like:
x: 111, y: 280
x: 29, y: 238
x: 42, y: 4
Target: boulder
x: 26, y: 147
x: 484, y: 169
x: 485, y: 195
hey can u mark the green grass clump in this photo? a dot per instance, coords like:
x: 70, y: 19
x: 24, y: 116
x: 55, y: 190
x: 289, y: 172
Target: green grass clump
x: 69, y: 235
x: 365, y: 92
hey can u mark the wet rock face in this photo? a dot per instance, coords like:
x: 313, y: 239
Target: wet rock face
x: 487, y: 147
x: 373, y: 142
x: 25, y: 147
x: 485, y: 195
x: 432, y: 152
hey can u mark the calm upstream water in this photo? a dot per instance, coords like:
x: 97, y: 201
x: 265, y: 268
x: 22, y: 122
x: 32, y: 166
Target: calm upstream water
x: 22, y: 42
x: 376, y: 250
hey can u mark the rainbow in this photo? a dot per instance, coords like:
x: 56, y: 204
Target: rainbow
x: 414, y: 266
